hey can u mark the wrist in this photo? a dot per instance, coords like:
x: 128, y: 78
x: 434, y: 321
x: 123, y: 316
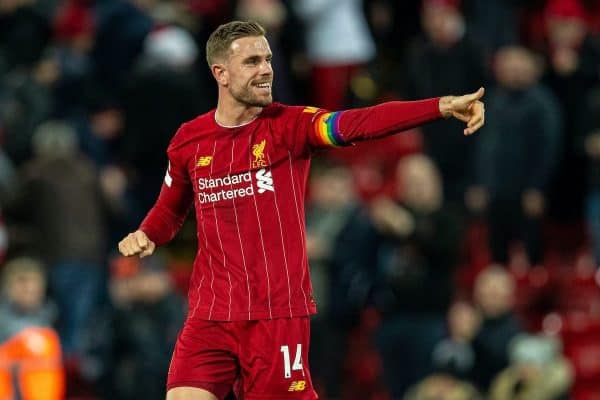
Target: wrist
x: 445, y: 106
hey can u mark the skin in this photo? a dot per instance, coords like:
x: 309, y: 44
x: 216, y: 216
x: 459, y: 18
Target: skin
x: 248, y: 64
x: 238, y: 74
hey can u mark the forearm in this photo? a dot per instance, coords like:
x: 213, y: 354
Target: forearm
x: 164, y: 220
x: 378, y: 121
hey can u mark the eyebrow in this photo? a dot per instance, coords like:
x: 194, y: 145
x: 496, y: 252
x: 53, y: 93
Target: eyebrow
x: 256, y: 57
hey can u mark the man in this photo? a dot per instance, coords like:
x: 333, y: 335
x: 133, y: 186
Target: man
x: 244, y: 166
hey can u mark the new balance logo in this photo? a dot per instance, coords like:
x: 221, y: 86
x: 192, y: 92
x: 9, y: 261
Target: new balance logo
x: 297, y: 386
x: 203, y: 161
x: 264, y: 181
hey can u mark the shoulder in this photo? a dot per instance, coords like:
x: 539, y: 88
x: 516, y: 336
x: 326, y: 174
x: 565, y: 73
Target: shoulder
x: 278, y: 111
x: 192, y: 129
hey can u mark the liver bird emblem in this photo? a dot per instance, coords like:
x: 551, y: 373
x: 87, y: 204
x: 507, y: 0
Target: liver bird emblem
x: 258, y: 150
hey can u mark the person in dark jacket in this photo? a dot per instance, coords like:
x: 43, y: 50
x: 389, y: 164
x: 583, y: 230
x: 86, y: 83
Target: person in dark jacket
x: 588, y: 127
x: 573, y: 56
x: 516, y: 157
x: 445, y: 59
x: 60, y: 194
x: 146, y: 320
x: 418, y: 238
x: 494, y: 298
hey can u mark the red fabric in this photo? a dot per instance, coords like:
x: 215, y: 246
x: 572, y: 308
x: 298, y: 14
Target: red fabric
x: 248, y: 186
x: 330, y: 85
x: 215, y: 355
x: 72, y: 20
x: 565, y: 9
x: 387, y: 118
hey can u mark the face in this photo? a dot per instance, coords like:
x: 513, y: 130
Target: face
x: 494, y: 292
x: 334, y: 189
x: 247, y: 74
x: 419, y: 184
x: 442, y: 24
x: 515, y: 68
x: 26, y: 290
x: 565, y: 32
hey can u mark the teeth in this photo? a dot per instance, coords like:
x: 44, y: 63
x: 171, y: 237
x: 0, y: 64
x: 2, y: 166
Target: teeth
x: 264, y: 85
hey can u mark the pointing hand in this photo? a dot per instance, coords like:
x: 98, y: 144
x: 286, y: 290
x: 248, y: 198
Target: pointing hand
x: 467, y: 108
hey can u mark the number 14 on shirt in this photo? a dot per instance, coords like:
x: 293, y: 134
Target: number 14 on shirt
x: 297, y: 366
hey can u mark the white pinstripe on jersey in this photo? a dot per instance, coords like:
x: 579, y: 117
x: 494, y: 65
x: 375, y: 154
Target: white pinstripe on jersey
x: 219, y: 237
x: 193, y: 312
x: 262, y: 241
x: 206, y: 237
x: 237, y: 225
x: 287, y: 272
x: 301, y: 227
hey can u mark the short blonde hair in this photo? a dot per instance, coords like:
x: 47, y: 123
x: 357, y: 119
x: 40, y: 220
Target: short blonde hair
x: 220, y: 40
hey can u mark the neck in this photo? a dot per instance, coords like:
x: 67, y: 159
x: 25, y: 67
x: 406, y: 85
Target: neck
x: 231, y: 112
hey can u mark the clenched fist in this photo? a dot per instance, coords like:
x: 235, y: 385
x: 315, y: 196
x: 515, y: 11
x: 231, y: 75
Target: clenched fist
x: 136, y: 243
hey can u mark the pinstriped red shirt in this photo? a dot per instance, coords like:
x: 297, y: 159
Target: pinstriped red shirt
x: 247, y: 185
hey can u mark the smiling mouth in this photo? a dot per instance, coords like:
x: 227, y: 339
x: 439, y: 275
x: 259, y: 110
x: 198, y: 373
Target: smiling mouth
x: 264, y: 85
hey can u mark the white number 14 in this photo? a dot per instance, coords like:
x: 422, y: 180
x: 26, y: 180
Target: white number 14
x: 297, y: 366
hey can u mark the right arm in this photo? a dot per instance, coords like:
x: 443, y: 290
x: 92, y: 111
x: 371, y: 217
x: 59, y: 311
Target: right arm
x: 317, y: 128
x: 167, y: 215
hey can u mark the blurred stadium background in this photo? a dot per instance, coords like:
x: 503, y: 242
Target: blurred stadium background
x: 445, y: 267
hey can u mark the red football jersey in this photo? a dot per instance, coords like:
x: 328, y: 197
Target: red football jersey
x: 247, y: 184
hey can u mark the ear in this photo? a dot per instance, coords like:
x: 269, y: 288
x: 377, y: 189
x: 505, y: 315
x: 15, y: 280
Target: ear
x: 220, y: 73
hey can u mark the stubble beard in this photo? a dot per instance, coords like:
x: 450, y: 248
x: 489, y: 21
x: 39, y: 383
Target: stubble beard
x: 245, y: 96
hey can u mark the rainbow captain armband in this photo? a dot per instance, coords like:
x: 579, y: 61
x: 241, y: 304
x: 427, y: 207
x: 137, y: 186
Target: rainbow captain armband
x: 327, y: 129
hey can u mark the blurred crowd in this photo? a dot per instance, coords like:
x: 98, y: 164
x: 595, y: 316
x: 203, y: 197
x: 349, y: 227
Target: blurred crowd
x: 444, y: 266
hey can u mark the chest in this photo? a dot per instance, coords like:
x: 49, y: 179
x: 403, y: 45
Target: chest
x: 241, y: 168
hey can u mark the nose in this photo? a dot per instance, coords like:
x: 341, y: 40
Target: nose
x: 266, y: 68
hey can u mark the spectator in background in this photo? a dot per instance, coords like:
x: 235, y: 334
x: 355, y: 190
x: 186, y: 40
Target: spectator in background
x: 588, y: 126
x: 338, y: 43
x: 516, y: 157
x: 339, y: 252
x: 495, y: 23
x: 445, y: 60
x: 7, y: 178
x: 573, y: 55
x: 494, y: 298
x: 74, y: 35
x: 121, y: 27
x: 23, y: 303
x: 27, y: 100
x: 415, y: 261
x: 24, y: 34
x: 30, y: 356
x: 537, y: 371
x: 454, y: 355
x: 392, y: 23
x: 148, y: 315
x: 163, y: 83
x: 442, y: 387
x: 59, y: 196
